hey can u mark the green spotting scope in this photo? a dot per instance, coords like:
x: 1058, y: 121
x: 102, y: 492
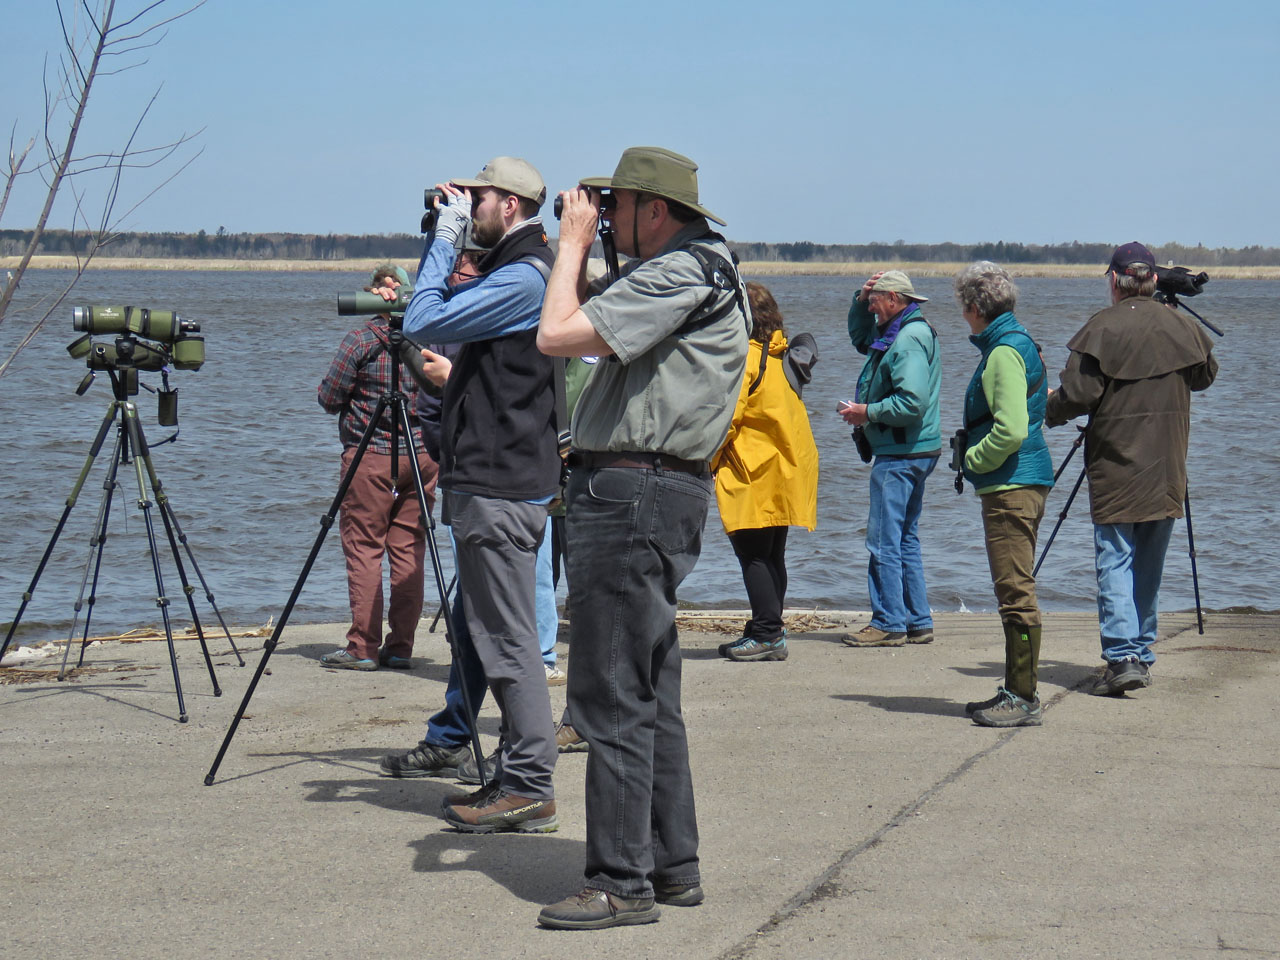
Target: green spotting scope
x: 361, y: 304
x: 163, y: 325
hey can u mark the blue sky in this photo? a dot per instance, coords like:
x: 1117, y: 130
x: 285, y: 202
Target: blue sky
x: 832, y: 122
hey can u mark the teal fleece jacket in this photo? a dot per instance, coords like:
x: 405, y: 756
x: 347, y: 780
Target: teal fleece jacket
x: 900, y: 386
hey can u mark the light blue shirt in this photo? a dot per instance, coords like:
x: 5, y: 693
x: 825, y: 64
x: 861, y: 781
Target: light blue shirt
x: 507, y: 301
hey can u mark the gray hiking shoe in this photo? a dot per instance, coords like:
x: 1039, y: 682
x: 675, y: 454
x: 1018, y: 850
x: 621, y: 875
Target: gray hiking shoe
x: 749, y: 650
x: 425, y: 760
x: 1121, y: 677
x: 973, y: 706
x: 1010, y: 711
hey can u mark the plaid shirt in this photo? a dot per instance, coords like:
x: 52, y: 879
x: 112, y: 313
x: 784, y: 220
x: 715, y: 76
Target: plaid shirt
x: 359, y: 374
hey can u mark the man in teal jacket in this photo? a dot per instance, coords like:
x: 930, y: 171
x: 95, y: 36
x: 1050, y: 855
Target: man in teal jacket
x: 896, y: 406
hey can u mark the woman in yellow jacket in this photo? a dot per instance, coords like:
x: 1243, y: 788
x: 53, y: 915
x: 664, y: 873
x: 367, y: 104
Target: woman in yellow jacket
x: 766, y: 480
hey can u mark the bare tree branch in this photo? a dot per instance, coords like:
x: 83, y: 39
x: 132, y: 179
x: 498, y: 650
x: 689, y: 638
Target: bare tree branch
x: 90, y: 36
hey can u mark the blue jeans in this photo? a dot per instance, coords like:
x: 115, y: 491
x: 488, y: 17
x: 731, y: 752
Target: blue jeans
x: 895, y: 574
x: 633, y: 536
x: 451, y: 727
x: 545, y: 598
x: 1129, y: 558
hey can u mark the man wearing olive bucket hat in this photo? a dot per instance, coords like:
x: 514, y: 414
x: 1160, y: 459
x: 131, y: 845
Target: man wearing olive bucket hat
x: 671, y: 333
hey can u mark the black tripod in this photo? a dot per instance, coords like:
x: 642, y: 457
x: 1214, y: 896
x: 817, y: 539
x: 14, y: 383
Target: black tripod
x: 401, y: 426
x: 1186, y: 502
x: 129, y: 441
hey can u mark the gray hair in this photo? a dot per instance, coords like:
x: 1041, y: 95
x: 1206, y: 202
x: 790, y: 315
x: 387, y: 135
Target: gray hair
x: 987, y: 287
x: 1138, y: 280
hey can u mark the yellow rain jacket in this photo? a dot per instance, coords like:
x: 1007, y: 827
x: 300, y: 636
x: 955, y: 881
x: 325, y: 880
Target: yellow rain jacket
x: 767, y: 470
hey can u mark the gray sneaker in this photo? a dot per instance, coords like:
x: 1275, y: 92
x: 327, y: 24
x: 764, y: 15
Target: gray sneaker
x: 1120, y: 677
x: 425, y: 760
x: 1010, y: 711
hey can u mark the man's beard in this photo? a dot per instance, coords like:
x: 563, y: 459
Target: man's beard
x: 487, y: 232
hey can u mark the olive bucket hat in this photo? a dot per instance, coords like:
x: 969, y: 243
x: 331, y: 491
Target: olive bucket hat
x: 658, y: 171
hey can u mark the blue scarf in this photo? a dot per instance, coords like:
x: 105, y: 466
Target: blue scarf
x: 890, y: 332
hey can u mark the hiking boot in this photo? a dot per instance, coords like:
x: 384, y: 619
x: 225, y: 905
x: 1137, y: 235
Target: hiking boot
x: 920, y: 635
x: 1120, y: 677
x: 1010, y: 710
x: 425, y: 760
x: 467, y: 768
x: 748, y: 649
x: 555, y: 676
x: 341, y: 660
x: 482, y: 796
x: 501, y: 812
x: 973, y: 706
x: 870, y: 636
x: 595, y: 909
x: 724, y: 648
x: 569, y: 740
x: 387, y: 659
x: 678, y: 894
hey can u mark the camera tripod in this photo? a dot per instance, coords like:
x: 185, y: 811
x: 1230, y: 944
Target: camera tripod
x: 1066, y: 508
x: 130, y: 447
x: 401, y: 426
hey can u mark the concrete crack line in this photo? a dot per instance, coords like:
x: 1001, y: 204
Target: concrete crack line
x: 825, y: 887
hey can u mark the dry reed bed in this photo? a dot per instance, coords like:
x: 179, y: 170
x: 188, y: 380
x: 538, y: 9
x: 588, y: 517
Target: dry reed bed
x: 756, y: 268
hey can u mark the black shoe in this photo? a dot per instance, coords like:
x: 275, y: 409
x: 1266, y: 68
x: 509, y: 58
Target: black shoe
x: 1120, y: 677
x: 920, y: 635
x: 425, y: 760
x: 467, y: 769
x: 678, y: 894
x: 594, y: 910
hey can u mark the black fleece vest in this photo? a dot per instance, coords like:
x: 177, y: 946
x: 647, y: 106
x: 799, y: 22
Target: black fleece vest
x: 498, y: 429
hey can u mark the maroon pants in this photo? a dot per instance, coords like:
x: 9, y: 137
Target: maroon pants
x: 380, y: 517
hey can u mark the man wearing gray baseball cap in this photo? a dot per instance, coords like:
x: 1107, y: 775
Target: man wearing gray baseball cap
x: 671, y: 333
x: 896, y: 410
x: 499, y: 468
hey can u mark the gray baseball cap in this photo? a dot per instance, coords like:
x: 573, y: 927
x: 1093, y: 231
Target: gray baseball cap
x: 895, y: 281
x: 510, y: 174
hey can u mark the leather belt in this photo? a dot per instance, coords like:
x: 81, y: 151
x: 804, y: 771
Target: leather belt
x: 636, y: 460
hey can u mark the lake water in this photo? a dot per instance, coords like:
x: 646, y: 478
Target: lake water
x: 256, y: 462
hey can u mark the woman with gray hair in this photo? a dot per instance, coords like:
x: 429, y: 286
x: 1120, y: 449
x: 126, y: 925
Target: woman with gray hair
x: 1008, y: 463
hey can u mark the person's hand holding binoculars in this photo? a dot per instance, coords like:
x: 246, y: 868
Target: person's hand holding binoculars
x: 579, y: 216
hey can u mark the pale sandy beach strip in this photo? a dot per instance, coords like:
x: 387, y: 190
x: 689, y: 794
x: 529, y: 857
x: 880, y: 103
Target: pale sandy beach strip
x: 759, y: 268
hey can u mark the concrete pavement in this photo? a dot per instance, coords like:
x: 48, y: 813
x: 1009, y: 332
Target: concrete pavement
x: 847, y: 808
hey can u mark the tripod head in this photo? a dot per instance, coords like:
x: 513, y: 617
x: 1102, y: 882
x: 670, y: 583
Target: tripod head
x: 1173, y: 282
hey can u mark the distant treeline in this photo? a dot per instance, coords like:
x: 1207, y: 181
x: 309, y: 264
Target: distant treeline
x: 310, y: 246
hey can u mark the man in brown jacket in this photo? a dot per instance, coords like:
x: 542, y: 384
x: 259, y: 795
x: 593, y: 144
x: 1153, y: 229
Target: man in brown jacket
x: 1132, y: 369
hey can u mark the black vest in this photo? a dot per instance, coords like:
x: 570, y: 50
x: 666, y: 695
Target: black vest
x: 498, y: 429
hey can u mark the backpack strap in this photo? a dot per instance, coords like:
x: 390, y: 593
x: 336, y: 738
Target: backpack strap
x: 764, y: 359
x: 720, y: 275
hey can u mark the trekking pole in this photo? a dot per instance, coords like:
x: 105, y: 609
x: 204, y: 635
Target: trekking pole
x: 1191, y: 552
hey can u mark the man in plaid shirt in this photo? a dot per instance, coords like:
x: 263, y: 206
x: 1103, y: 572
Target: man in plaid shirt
x: 378, y: 516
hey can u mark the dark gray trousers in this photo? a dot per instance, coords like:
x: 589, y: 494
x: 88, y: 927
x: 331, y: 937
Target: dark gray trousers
x: 497, y: 547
